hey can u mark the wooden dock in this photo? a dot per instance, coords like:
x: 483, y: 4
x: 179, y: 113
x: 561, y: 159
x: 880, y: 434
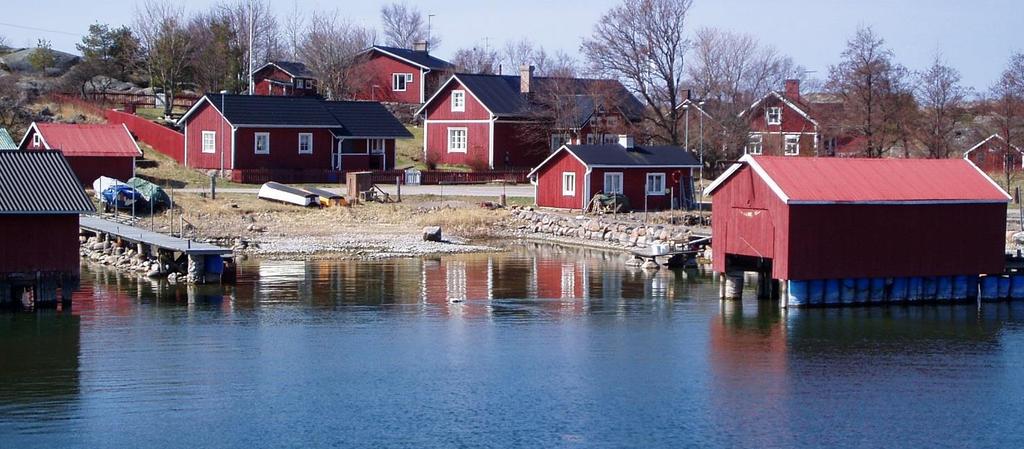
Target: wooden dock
x: 205, y: 262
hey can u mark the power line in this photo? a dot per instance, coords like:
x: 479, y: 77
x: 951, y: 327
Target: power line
x: 14, y: 25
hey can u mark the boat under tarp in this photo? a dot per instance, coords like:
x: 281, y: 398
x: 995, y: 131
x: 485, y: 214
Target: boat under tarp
x: 327, y: 198
x: 114, y: 193
x: 275, y: 191
x: 154, y: 194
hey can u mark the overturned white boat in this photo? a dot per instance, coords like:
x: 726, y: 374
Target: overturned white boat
x: 286, y: 194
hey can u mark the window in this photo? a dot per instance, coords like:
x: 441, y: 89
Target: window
x: 559, y: 139
x: 655, y: 183
x: 209, y: 141
x: 830, y: 146
x: 613, y: 183
x: 300, y: 83
x: 399, y: 81
x: 36, y: 140
x: 774, y: 115
x: 305, y: 143
x: 568, y: 183
x: 599, y: 139
x: 375, y: 146
x: 756, y: 144
x: 262, y: 143
x: 458, y: 100
x: 457, y: 140
x: 792, y: 144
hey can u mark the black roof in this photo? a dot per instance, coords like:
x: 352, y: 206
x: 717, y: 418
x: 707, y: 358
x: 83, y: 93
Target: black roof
x: 619, y: 156
x: 501, y: 95
x: 421, y: 58
x: 40, y: 182
x: 366, y: 119
x: 296, y: 69
x: 344, y: 118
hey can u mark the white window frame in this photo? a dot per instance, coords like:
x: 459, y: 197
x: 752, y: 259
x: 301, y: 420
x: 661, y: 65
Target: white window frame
x: 465, y: 140
x: 648, y: 184
x: 310, y: 149
x: 768, y: 115
x: 375, y: 146
x: 212, y: 147
x: 460, y: 105
x: 610, y: 175
x: 568, y: 183
x: 786, y: 145
x: 757, y: 148
x: 559, y: 139
x: 256, y: 143
x: 300, y: 83
x: 36, y: 140
x: 406, y: 79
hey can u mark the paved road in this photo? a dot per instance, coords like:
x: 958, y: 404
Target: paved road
x: 480, y: 190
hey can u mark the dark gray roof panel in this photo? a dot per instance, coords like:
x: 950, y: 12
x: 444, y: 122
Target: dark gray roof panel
x: 296, y: 69
x: 273, y: 110
x: 40, y: 182
x: 617, y: 155
x: 366, y: 119
x: 501, y: 95
x: 417, y: 57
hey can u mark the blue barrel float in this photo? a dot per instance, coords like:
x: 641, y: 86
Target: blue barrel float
x: 863, y: 290
x: 989, y: 288
x: 972, y: 286
x: 960, y: 287
x: 877, y: 290
x: 1004, y: 287
x: 915, y: 288
x: 929, y: 288
x: 898, y: 289
x: 848, y: 291
x: 1017, y: 286
x: 817, y: 291
x: 832, y: 291
x: 799, y: 293
x: 945, y: 289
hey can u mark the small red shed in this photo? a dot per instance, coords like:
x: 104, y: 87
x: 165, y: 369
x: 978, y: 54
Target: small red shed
x: 650, y: 177
x: 93, y: 150
x: 40, y: 201
x: 993, y: 155
x: 841, y: 218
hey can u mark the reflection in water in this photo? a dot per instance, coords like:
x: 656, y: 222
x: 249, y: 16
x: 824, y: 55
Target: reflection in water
x: 541, y: 346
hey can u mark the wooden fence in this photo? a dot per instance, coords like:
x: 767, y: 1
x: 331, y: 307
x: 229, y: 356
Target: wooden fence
x: 148, y: 100
x: 167, y: 141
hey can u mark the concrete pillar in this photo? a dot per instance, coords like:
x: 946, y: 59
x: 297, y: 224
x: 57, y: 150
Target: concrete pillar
x: 734, y: 285
x: 764, y: 285
x: 721, y: 285
x: 196, y: 268
x: 783, y: 293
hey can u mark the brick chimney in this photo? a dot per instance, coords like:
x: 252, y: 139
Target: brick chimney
x: 420, y: 46
x: 793, y: 90
x: 525, y: 78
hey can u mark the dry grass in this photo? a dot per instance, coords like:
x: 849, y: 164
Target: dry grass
x: 410, y: 151
x: 170, y: 174
x: 67, y: 112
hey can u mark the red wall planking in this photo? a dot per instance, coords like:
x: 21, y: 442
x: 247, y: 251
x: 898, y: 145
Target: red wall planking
x: 47, y: 243
x: 549, y: 183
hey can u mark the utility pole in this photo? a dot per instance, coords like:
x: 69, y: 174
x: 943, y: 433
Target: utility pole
x: 251, y: 30
x: 700, y: 202
x: 429, y: 17
x: 686, y: 126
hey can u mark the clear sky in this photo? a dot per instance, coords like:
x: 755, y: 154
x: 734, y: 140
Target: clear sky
x: 975, y: 36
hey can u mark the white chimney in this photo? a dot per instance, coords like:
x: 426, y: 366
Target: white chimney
x: 420, y: 46
x: 626, y: 141
x: 525, y: 78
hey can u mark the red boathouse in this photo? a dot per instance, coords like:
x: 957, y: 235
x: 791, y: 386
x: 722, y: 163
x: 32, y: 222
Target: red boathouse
x: 651, y: 176
x: 40, y: 200
x: 826, y: 218
x: 93, y: 150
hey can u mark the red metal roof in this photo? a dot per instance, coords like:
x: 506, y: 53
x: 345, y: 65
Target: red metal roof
x: 856, y: 180
x: 89, y: 139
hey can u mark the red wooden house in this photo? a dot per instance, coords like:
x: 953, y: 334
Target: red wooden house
x: 292, y: 138
x: 399, y: 75
x: 40, y: 200
x: 92, y: 150
x: 830, y: 218
x: 284, y: 78
x: 781, y: 124
x: 500, y: 121
x: 650, y: 177
x: 993, y: 155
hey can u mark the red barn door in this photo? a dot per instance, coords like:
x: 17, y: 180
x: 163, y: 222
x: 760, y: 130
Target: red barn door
x: 750, y: 232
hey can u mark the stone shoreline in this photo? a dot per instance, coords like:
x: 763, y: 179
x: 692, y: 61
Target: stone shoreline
x: 600, y: 230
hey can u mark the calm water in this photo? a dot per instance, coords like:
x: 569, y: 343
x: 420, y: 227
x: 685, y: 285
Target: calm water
x: 551, y: 348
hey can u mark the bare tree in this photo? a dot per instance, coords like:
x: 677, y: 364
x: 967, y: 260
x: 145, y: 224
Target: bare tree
x: 14, y: 106
x: 222, y: 59
x: 294, y: 24
x: 329, y: 50
x: 1008, y: 107
x: 266, y: 35
x: 476, y: 60
x: 404, y: 25
x: 865, y: 80
x: 169, y: 46
x: 643, y: 44
x: 941, y: 97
